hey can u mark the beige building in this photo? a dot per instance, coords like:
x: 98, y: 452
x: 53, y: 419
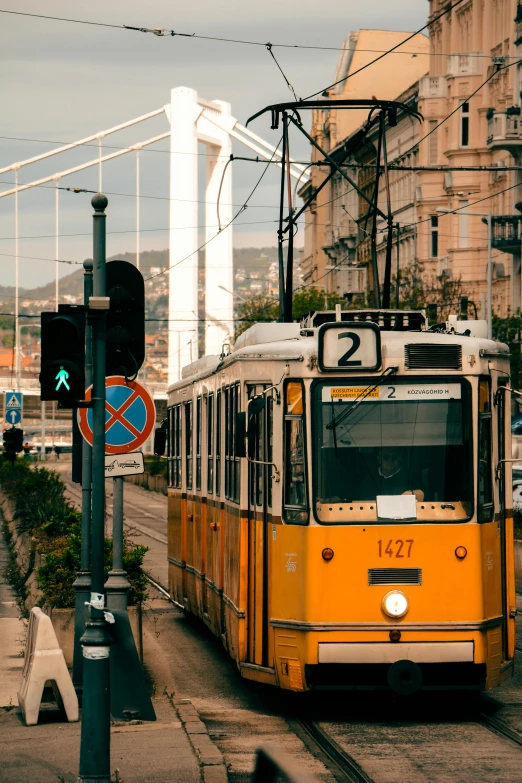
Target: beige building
x: 331, y: 228
x: 472, y: 43
x: 469, y: 45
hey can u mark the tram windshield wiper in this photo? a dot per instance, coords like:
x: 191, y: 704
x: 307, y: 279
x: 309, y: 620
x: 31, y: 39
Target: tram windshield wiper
x: 365, y: 392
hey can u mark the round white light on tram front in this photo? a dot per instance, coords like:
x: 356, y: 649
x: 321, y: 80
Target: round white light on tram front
x: 395, y: 604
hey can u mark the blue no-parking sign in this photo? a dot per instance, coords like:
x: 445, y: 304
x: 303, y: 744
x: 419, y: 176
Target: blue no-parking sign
x: 130, y: 416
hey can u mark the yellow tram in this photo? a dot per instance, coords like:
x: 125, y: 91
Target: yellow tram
x: 340, y: 505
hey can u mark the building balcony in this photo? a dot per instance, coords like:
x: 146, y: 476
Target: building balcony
x: 465, y: 64
x: 340, y: 240
x: 507, y: 233
x: 433, y: 87
x: 504, y: 129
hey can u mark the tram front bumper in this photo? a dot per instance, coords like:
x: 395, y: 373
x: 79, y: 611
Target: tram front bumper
x: 391, y: 652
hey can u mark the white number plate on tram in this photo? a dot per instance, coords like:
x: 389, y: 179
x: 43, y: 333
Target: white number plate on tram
x: 389, y: 393
x: 349, y: 346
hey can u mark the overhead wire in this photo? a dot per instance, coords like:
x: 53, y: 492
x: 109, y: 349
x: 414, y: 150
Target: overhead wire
x: 389, y: 51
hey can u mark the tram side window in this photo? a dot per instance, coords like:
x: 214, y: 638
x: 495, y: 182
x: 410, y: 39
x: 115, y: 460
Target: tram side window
x: 485, y: 486
x: 170, y: 447
x: 295, y: 494
x: 174, y: 455
x: 188, y: 443
x: 210, y: 443
x: 218, y: 443
x: 198, y: 443
x: 232, y: 463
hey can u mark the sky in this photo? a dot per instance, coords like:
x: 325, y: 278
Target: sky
x: 61, y: 82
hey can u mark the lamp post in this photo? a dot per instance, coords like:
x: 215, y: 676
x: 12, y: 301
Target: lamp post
x: 232, y: 293
x: 486, y: 218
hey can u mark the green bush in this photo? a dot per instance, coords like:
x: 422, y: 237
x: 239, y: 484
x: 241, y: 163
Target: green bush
x: 41, y: 509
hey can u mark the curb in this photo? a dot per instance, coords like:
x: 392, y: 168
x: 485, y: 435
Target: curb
x: 211, y: 760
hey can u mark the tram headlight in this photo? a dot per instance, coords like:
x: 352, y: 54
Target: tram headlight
x: 395, y: 604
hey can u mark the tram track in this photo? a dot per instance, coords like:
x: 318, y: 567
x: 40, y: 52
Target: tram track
x: 347, y: 768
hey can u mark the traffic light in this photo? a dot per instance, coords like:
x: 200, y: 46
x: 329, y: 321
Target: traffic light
x: 125, y: 319
x: 13, y: 442
x: 62, y: 372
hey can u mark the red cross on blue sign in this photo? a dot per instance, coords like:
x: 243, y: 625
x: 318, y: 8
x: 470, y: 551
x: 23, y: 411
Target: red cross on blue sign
x: 130, y: 416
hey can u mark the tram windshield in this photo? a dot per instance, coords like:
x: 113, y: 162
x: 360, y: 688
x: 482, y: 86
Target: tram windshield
x: 371, y: 442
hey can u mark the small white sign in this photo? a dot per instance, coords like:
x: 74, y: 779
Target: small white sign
x: 396, y: 507
x: 349, y: 346
x: 124, y: 464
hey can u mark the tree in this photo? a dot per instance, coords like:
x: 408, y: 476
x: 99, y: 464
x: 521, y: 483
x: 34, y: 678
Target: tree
x: 418, y: 290
x: 265, y: 309
x: 509, y: 330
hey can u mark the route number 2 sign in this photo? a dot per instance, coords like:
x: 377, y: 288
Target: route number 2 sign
x: 353, y: 346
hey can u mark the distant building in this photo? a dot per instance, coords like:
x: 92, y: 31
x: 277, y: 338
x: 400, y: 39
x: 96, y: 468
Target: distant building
x: 332, y: 226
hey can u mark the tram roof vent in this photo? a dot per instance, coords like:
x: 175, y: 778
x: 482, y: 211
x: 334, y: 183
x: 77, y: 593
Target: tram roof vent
x: 395, y: 576
x: 386, y: 320
x: 433, y: 356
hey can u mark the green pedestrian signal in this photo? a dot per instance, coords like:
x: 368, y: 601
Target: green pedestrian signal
x: 62, y: 379
x: 62, y: 374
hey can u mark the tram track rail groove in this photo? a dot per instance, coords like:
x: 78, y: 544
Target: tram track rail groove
x: 497, y: 726
x: 349, y: 769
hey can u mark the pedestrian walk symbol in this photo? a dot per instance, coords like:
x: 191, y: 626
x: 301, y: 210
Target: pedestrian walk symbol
x: 61, y: 377
x: 13, y: 401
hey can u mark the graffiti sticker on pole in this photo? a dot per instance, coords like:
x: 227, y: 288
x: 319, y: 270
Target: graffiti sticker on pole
x: 130, y: 416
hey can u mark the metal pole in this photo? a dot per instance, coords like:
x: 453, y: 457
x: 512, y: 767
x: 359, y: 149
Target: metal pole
x: 82, y: 584
x: 42, y: 433
x: 138, y: 208
x: 117, y: 585
x: 17, y: 344
x: 95, y: 731
x: 57, y: 240
x: 398, y: 273
x: 490, y: 280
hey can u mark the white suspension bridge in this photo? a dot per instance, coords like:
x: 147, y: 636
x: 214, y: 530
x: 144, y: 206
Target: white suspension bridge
x: 191, y: 120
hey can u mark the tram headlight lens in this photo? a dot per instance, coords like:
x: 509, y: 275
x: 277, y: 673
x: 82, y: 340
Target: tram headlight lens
x: 395, y: 604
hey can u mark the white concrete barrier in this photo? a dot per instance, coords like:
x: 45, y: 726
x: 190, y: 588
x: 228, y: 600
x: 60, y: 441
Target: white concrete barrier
x: 44, y: 661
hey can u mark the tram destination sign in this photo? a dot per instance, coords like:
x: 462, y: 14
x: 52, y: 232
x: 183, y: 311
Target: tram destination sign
x: 402, y: 392
x: 349, y: 346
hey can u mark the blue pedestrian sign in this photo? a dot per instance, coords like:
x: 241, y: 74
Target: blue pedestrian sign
x: 13, y: 400
x: 13, y: 416
x: 130, y: 416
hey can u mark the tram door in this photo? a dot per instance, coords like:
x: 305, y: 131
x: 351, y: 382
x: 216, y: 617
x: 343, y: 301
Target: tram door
x: 259, y: 511
x: 507, y: 642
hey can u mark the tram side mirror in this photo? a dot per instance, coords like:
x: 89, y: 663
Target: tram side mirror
x: 240, y: 431
x: 160, y: 439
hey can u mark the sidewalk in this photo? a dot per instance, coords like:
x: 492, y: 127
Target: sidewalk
x: 13, y: 633
x: 157, y: 752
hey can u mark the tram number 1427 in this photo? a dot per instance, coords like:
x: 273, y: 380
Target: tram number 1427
x: 403, y: 547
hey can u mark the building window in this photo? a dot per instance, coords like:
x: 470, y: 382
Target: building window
x: 433, y: 147
x: 464, y: 125
x: 434, y: 235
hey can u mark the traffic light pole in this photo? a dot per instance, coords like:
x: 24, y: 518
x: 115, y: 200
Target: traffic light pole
x: 82, y: 585
x: 95, y: 730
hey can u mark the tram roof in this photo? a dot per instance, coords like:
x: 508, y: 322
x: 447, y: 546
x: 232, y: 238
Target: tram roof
x: 278, y: 341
